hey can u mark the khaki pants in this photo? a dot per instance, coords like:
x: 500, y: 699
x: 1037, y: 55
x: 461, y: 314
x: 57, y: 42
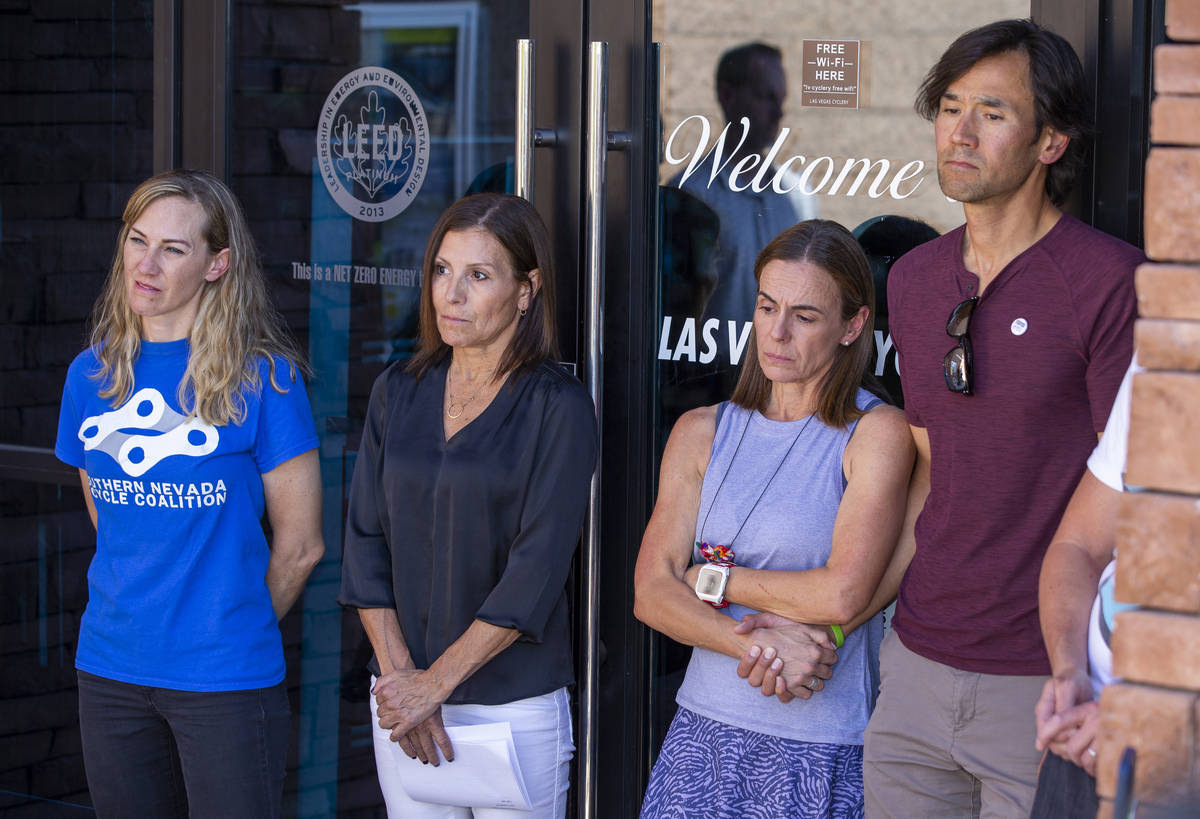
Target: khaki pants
x: 949, y: 743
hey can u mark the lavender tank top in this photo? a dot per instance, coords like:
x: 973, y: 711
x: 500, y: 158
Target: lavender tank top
x: 790, y: 528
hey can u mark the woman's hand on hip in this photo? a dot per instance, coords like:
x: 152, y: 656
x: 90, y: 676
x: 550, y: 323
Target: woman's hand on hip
x: 404, y: 699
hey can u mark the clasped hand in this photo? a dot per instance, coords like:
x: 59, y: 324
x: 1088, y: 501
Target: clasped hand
x: 788, y: 659
x: 408, y: 705
x: 1068, y: 718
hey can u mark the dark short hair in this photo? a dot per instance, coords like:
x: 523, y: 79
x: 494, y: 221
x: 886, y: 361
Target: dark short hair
x: 516, y: 225
x: 1060, y: 96
x: 734, y: 66
x: 834, y: 249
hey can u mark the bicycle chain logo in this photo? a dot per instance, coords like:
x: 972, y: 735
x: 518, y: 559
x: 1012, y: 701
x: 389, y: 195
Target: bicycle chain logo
x: 147, y: 410
x: 373, y: 144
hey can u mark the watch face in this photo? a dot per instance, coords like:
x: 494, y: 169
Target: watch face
x: 710, y: 583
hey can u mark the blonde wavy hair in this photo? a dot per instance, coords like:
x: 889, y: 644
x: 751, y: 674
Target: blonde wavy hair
x: 236, y: 324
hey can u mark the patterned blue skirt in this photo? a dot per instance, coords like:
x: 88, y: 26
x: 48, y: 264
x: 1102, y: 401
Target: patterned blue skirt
x: 716, y: 771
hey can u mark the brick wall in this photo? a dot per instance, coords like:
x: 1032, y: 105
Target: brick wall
x: 1157, y: 649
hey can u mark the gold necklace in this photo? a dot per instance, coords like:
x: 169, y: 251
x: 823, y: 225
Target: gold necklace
x: 462, y: 405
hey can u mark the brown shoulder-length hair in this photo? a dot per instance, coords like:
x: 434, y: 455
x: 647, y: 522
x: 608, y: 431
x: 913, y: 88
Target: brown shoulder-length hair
x: 832, y: 248
x: 519, y: 229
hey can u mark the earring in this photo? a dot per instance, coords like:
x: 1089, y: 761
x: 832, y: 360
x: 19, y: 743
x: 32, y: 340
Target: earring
x: 523, y: 312
x: 845, y: 343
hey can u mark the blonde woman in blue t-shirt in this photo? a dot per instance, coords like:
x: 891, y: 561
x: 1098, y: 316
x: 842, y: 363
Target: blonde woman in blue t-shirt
x: 187, y: 419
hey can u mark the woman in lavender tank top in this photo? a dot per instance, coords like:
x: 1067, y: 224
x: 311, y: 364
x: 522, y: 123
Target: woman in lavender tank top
x: 777, y: 514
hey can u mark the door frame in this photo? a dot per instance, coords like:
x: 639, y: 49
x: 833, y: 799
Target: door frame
x: 1115, y: 41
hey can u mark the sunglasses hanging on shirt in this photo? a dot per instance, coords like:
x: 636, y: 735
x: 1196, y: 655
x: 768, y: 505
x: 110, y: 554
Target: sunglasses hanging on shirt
x: 959, y: 364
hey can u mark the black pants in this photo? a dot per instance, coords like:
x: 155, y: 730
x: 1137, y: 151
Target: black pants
x: 1064, y: 791
x: 157, y: 752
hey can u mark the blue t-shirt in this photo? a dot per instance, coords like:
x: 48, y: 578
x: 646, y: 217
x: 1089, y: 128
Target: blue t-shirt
x: 177, y: 592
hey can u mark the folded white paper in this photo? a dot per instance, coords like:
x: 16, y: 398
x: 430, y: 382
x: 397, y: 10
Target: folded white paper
x: 484, y: 774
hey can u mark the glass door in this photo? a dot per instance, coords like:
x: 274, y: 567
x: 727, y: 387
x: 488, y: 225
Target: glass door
x: 816, y: 99
x: 351, y: 127
x: 768, y: 119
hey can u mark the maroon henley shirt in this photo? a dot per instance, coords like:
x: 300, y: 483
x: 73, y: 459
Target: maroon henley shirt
x: 1052, y: 336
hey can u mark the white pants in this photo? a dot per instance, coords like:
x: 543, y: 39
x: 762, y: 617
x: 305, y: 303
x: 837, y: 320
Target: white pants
x: 541, y: 729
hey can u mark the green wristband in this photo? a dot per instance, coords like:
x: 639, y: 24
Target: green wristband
x: 839, y: 636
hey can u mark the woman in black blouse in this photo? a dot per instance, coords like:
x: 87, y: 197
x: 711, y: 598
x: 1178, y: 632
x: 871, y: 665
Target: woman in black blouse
x: 466, y: 506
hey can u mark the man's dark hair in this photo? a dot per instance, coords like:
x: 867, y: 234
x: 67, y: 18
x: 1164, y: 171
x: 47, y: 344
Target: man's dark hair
x: 1060, y: 97
x: 734, y: 66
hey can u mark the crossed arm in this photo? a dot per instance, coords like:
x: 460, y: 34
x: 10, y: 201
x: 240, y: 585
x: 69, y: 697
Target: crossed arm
x: 662, y: 598
x: 877, y: 463
x: 758, y: 665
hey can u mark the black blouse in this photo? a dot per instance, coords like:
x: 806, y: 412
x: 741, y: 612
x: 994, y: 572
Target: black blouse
x: 482, y: 526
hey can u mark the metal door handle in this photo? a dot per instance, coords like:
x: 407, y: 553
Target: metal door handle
x: 595, y: 163
x: 598, y: 142
x: 528, y: 135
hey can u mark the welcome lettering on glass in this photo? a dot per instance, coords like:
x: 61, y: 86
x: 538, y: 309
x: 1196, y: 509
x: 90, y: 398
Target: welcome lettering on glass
x: 703, y: 343
x: 758, y: 173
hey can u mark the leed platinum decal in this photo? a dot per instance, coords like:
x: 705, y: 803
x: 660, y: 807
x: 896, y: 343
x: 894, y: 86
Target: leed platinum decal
x: 373, y: 144
x: 830, y: 74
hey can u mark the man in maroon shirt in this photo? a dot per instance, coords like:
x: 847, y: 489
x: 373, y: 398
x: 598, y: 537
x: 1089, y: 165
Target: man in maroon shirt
x: 1005, y: 399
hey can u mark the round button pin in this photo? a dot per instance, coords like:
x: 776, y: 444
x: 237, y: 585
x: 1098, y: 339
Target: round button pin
x: 1019, y: 326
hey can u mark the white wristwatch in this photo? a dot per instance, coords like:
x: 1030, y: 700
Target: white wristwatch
x: 710, y: 583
